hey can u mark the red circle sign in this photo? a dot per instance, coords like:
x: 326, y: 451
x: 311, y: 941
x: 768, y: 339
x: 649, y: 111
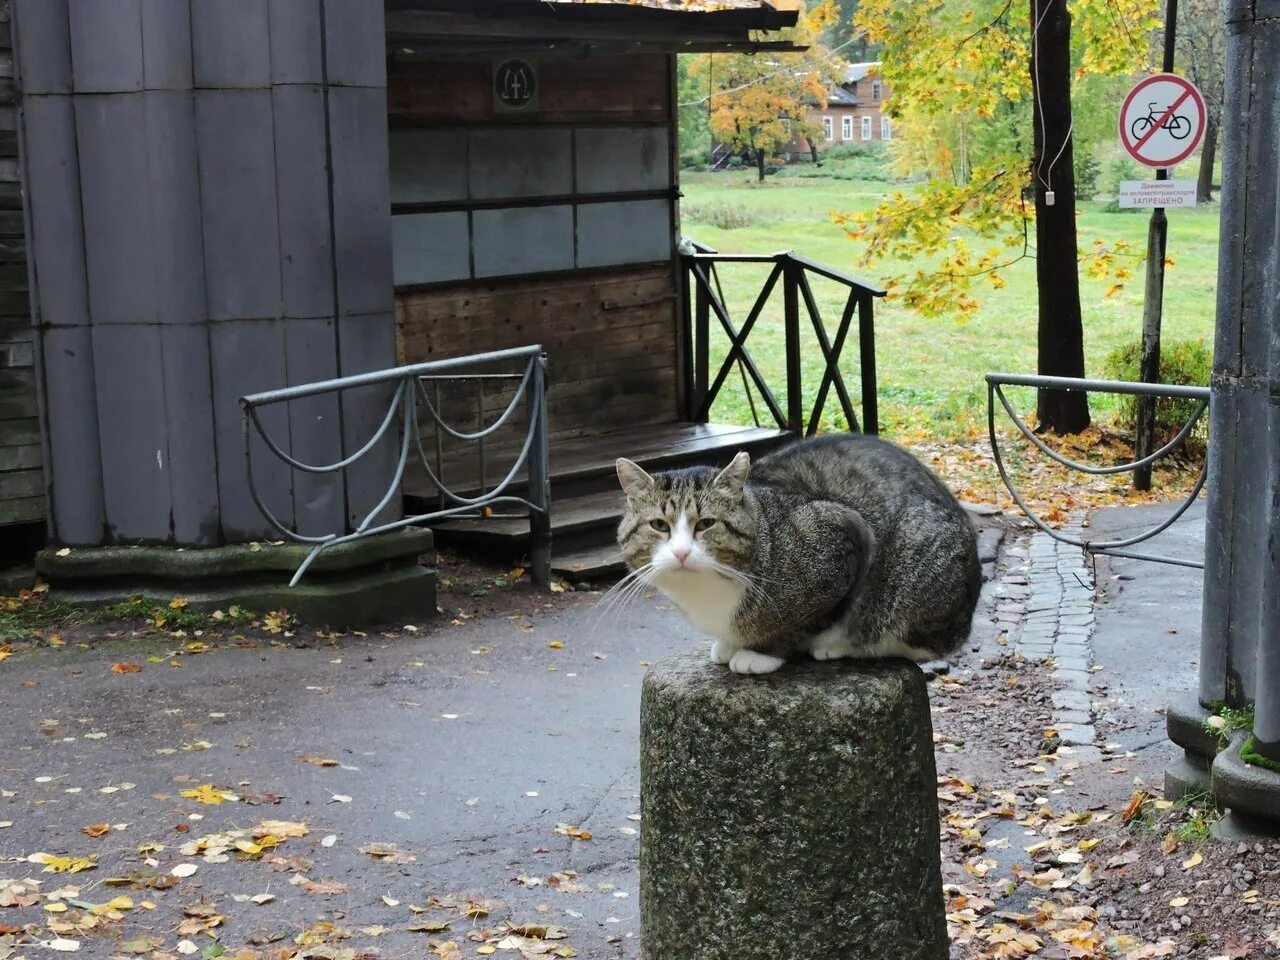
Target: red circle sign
x: 1162, y: 120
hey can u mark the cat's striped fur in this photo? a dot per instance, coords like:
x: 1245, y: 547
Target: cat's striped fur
x: 840, y: 546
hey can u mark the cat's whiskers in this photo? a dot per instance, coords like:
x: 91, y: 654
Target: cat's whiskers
x: 622, y: 593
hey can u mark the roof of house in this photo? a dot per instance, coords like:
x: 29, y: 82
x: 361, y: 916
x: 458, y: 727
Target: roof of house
x: 857, y: 71
x: 840, y: 97
x: 672, y: 25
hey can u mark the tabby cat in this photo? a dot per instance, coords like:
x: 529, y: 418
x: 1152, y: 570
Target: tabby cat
x: 837, y: 546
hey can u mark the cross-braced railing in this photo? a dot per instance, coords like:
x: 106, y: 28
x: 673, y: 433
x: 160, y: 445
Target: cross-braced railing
x: 1116, y: 548
x: 792, y: 273
x: 403, y: 420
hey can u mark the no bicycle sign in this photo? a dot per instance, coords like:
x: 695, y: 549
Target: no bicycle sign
x: 1162, y: 120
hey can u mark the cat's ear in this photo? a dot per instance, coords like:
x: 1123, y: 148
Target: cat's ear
x: 633, y: 478
x: 734, y: 476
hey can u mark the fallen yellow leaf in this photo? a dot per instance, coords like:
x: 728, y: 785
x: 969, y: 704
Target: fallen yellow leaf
x: 125, y: 668
x: 556, y: 644
x: 96, y: 829
x: 1193, y: 861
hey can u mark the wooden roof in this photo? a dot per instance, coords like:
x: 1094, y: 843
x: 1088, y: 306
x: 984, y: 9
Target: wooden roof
x: 464, y: 26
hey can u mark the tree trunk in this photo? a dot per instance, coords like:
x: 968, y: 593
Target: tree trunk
x: 1204, y: 186
x: 813, y: 149
x: 760, y: 163
x: 1060, y: 330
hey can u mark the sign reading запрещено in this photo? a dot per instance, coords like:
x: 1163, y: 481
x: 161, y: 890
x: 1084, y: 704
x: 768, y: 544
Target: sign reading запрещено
x: 1157, y: 193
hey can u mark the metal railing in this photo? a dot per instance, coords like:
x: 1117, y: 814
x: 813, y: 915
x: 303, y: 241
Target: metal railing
x: 705, y: 296
x: 995, y: 384
x: 409, y: 393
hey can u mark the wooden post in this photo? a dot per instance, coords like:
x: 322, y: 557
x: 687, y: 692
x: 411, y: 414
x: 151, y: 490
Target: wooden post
x: 1153, y: 302
x: 791, y: 300
x: 867, y: 362
x: 701, y: 334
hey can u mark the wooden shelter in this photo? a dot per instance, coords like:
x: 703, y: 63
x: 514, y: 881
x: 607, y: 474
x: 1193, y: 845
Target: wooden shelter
x: 556, y: 221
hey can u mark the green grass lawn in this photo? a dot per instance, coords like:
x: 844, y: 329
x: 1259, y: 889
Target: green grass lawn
x: 930, y: 370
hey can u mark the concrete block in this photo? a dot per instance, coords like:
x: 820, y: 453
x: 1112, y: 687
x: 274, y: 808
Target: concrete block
x: 296, y: 45
x: 523, y: 240
x: 521, y: 162
x: 361, y: 200
x: 647, y: 237
x: 116, y: 199
x: 173, y: 186
x: 302, y: 178
x: 764, y: 797
x: 106, y: 45
x: 53, y: 191
x: 166, y: 45
x: 71, y: 416
x: 193, y: 468
x: 236, y: 136
x: 357, y: 47
x: 132, y: 434
x: 249, y: 357
x: 428, y: 165
x: 430, y: 247
x: 231, y: 41
x: 612, y: 159
x: 43, y: 45
x: 315, y: 428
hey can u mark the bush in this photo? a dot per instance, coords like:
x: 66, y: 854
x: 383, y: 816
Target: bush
x: 1087, y: 170
x: 725, y: 215
x: 1184, y: 362
x: 1123, y: 167
x: 695, y: 159
x: 735, y: 162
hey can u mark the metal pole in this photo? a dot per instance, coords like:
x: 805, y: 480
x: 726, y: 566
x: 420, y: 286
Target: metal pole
x: 1153, y: 302
x: 540, y: 478
x: 867, y: 365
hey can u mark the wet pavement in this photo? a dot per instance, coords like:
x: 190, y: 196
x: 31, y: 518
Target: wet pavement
x: 457, y: 768
x: 1147, y: 638
x: 464, y: 746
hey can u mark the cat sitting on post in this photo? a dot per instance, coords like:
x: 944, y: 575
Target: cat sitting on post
x: 837, y: 546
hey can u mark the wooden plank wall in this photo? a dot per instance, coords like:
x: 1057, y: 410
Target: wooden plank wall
x: 609, y: 337
x: 21, y: 481
x: 610, y: 333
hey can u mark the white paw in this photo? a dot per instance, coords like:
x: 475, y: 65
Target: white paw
x: 749, y: 661
x: 722, y: 652
x: 831, y: 645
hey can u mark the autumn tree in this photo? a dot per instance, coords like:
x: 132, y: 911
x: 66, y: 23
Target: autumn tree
x: 759, y: 101
x: 1202, y: 54
x: 1001, y: 71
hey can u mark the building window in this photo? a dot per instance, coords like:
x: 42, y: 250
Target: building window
x: 828, y: 128
x: 866, y: 128
x: 846, y: 128
x: 886, y: 132
x: 786, y: 126
x: 875, y: 92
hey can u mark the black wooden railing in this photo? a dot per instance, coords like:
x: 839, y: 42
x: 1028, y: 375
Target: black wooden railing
x: 704, y: 296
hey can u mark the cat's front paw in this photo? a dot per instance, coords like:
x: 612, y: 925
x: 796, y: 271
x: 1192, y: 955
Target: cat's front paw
x: 722, y: 652
x: 749, y: 661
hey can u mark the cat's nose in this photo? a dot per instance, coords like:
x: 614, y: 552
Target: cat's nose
x: 681, y: 554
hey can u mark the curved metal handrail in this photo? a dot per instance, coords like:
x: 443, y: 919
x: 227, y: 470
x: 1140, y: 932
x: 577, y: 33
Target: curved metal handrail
x: 403, y: 408
x: 995, y: 382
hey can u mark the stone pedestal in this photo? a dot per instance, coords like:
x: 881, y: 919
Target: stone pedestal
x: 790, y: 815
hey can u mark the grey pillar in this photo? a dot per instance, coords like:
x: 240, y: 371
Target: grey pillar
x: 208, y: 202
x: 1240, y: 656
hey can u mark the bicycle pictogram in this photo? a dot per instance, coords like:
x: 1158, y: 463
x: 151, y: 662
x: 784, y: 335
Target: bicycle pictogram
x: 1179, y: 127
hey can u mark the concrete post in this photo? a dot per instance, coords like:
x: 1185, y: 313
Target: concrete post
x: 209, y: 216
x: 793, y: 815
x: 1240, y: 656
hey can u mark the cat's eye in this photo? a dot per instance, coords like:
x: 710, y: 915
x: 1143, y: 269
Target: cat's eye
x: 660, y: 525
x: 706, y: 523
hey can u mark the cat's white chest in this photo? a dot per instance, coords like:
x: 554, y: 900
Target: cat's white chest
x: 708, y: 600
